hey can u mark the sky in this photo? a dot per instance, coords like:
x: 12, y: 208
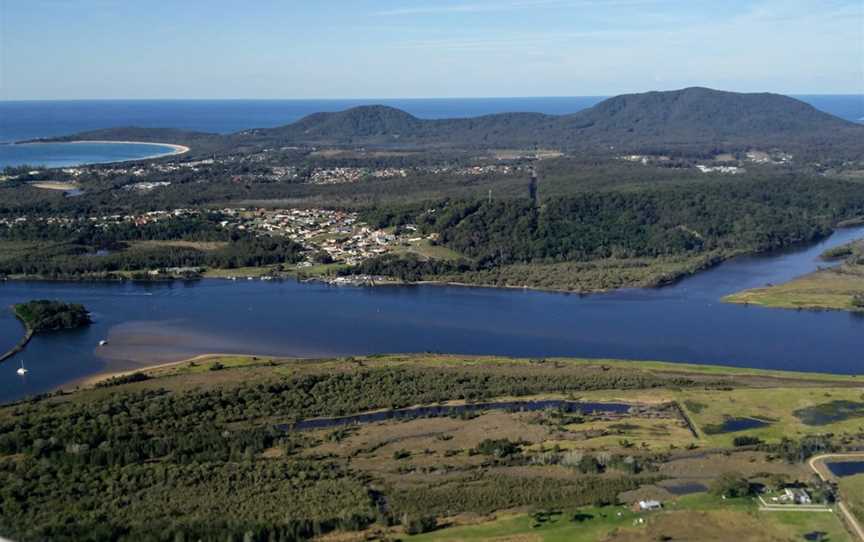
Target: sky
x: 94, y: 49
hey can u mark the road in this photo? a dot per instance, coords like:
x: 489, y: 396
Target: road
x: 817, y: 463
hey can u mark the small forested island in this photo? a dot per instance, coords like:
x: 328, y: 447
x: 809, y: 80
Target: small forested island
x: 43, y: 315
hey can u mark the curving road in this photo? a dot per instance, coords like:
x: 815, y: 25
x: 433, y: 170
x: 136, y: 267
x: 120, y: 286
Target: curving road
x: 817, y: 463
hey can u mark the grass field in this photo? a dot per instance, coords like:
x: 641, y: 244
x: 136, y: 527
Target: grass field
x: 198, y: 245
x: 425, y: 250
x: 696, y: 517
x: 825, y: 289
x: 776, y: 406
x: 833, y: 288
x: 852, y: 490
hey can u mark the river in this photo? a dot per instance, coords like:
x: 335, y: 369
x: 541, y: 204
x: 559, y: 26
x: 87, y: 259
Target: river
x: 148, y: 323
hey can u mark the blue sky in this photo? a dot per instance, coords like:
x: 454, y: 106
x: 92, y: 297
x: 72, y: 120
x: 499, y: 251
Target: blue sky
x: 75, y: 49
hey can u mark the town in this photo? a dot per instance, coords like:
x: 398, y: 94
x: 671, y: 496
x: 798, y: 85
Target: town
x: 327, y: 236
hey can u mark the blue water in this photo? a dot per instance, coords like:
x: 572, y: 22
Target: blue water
x: 23, y: 120
x: 20, y: 120
x: 450, y: 410
x: 846, y: 468
x: 73, y: 154
x: 686, y: 322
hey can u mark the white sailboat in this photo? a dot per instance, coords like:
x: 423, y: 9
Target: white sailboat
x: 21, y: 370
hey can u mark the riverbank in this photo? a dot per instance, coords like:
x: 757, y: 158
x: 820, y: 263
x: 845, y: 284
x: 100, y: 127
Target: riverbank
x: 754, y: 377
x: 155, y: 370
x: 840, y: 287
x: 568, y: 278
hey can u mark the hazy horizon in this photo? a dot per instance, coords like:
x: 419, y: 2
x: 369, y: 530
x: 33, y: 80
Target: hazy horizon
x: 405, y: 98
x: 411, y: 49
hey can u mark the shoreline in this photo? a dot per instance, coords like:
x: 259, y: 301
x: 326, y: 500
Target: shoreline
x: 91, y: 380
x: 672, y: 367
x: 22, y: 344
x: 175, y: 149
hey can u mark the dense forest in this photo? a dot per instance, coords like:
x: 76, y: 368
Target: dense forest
x: 705, y: 221
x: 149, y: 463
x: 44, y: 315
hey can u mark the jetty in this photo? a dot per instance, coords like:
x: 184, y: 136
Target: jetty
x: 20, y: 346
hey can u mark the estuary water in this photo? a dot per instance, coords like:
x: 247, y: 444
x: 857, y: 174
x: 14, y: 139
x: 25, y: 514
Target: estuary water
x: 148, y: 323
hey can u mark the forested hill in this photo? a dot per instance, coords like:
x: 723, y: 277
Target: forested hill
x: 692, y: 117
x: 695, y: 118
x: 705, y: 115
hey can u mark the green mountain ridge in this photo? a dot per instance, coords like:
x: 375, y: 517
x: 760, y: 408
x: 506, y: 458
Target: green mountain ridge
x: 690, y: 118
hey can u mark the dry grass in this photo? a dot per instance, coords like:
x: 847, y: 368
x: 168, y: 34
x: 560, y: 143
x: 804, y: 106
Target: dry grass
x: 825, y: 289
x: 206, y: 246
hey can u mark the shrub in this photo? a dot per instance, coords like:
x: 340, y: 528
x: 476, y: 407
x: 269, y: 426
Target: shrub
x: 418, y: 525
x: 746, y: 441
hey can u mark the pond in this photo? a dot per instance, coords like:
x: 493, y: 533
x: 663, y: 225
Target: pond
x: 845, y: 468
x: 732, y: 425
x: 456, y: 410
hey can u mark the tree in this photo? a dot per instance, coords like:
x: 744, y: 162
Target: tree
x: 731, y: 486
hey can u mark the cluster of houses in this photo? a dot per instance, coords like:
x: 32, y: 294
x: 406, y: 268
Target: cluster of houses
x: 146, y: 186
x: 728, y: 170
x: 478, y: 170
x: 773, y: 157
x: 343, y: 175
x: 104, y: 221
x: 338, y: 234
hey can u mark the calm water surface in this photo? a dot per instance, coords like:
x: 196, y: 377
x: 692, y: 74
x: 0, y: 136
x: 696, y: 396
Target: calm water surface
x: 846, y: 468
x: 148, y: 323
x: 74, y: 154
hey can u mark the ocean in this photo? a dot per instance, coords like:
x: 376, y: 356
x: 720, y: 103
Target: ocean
x: 23, y: 120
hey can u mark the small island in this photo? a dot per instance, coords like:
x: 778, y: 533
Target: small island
x: 42, y: 315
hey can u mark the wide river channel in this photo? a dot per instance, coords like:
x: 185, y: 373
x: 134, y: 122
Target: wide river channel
x: 149, y: 323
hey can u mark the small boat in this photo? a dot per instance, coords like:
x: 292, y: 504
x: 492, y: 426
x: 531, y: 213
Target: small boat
x: 103, y: 342
x: 21, y: 370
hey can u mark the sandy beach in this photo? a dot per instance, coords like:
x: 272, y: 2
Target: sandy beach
x: 55, y: 185
x: 92, y: 380
x: 175, y: 149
